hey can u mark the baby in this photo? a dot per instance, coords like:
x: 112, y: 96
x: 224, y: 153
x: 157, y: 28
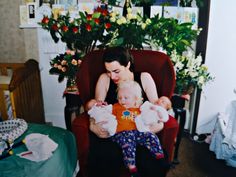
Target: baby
x: 153, y: 113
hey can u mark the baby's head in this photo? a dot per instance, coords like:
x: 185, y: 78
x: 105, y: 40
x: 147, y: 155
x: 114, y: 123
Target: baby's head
x: 129, y: 94
x: 164, y: 102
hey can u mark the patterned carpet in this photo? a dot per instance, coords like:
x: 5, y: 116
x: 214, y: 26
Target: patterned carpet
x: 197, y: 161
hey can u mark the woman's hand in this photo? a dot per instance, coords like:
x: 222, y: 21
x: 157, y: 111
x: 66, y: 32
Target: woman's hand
x: 156, y: 127
x: 101, y: 103
x: 97, y: 128
x: 94, y: 102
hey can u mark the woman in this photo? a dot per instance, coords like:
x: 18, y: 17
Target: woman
x: 105, y: 157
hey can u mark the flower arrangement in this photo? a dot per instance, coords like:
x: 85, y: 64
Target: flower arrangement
x: 129, y: 31
x: 190, y: 72
x: 103, y: 28
x: 66, y: 65
x: 82, y: 33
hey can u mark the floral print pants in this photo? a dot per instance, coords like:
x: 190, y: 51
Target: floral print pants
x: 128, y: 140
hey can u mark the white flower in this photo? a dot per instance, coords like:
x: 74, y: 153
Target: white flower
x: 179, y: 65
x: 201, y: 80
x: 129, y: 10
x: 198, y: 60
x: 143, y: 26
x: 129, y: 16
x: 121, y: 20
x: 189, y: 71
x: 193, y: 73
x: 112, y: 19
x: 113, y: 14
x: 148, y: 21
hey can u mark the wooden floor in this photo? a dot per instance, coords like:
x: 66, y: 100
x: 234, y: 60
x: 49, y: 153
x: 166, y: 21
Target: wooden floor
x: 197, y: 161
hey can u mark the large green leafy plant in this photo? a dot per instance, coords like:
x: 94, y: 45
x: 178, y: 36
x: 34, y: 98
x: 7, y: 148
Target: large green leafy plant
x: 171, y: 35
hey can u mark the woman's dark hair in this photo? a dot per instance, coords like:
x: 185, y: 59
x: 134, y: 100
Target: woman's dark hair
x: 119, y: 54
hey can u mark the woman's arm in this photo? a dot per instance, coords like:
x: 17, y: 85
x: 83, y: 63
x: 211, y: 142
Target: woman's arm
x: 100, y: 95
x: 102, y: 87
x: 100, y: 91
x: 149, y: 87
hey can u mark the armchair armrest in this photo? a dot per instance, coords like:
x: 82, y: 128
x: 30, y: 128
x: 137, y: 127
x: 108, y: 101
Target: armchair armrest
x: 168, y: 136
x: 80, y: 128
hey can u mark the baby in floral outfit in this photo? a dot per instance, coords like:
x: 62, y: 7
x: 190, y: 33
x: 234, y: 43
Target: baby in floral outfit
x: 127, y: 136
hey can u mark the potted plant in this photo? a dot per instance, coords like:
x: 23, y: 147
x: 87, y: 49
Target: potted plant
x: 190, y: 72
x: 66, y: 66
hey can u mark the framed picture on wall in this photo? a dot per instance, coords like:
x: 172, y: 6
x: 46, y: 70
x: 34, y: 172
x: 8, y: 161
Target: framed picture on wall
x: 30, y: 1
x: 86, y: 7
x: 169, y: 2
x: 31, y: 12
x: 68, y: 4
x: 51, y: 2
x: 23, y: 15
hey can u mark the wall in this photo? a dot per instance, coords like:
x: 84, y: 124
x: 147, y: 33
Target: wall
x: 17, y: 45
x: 221, y: 60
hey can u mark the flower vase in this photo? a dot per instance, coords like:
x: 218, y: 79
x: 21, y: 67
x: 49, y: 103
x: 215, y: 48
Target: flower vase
x: 188, y: 91
x: 71, y: 85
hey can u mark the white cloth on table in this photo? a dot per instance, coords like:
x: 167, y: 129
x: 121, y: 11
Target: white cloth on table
x: 40, y: 147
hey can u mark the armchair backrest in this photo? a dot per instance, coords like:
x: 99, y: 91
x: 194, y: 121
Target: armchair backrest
x: 156, y: 63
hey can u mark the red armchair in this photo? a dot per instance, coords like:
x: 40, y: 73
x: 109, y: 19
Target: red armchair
x: 156, y: 63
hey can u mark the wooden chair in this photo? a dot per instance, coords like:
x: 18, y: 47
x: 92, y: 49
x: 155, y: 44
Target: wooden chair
x: 156, y: 63
x: 23, y: 84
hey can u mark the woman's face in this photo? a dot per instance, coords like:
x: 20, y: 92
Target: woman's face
x: 116, y: 71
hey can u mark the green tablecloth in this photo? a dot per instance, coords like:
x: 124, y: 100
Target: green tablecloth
x: 61, y: 164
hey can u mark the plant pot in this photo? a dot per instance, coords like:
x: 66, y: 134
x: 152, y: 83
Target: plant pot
x: 188, y: 91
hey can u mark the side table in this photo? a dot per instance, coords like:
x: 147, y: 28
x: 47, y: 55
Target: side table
x: 72, y: 108
x: 178, y: 104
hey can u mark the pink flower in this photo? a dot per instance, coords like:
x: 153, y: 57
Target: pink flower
x: 70, y: 52
x: 63, y: 62
x: 63, y: 69
x: 79, y: 62
x: 59, y: 67
x: 74, y: 62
